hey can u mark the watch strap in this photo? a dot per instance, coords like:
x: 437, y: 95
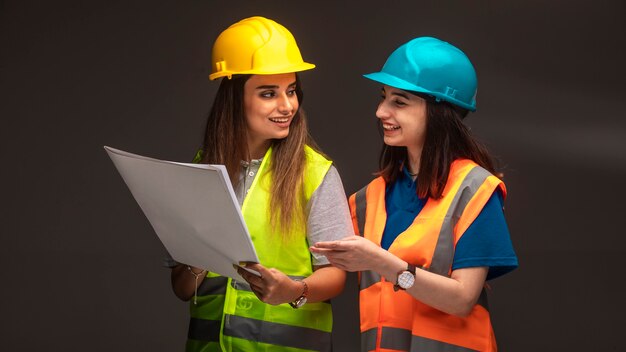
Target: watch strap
x: 411, y: 268
x: 298, y: 302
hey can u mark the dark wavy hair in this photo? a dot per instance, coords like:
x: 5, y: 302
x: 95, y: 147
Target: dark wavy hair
x: 447, y: 139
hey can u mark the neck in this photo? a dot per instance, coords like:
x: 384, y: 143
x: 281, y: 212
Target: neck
x: 414, y: 157
x: 257, y: 149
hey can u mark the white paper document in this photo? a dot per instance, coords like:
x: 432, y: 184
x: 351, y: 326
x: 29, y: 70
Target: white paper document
x: 192, y: 208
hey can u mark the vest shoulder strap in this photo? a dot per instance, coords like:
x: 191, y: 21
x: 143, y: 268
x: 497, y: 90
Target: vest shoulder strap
x: 361, y: 208
x: 316, y: 168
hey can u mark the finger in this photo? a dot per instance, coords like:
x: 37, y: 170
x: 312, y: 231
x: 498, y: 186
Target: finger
x: 334, y: 256
x: 274, y: 276
x: 242, y: 273
x: 338, y: 260
x: 339, y: 266
x: 250, y: 278
x: 333, y: 245
x: 257, y: 293
x: 346, y: 267
x: 345, y: 263
x: 323, y: 251
x: 257, y: 289
x: 257, y: 267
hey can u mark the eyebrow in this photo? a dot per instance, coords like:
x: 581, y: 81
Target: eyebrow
x: 274, y: 86
x: 405, y: 96
x: 401, y: 95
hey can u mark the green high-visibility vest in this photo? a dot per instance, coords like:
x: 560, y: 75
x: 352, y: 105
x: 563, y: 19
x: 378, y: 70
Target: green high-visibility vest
x: 229, y: 317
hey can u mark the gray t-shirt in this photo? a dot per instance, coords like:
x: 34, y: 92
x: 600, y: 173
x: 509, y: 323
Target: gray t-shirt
x: 328, y: 214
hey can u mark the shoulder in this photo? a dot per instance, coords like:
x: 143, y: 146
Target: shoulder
x: 331, y: 186
x: 316, y: 162
x: 315, y: 170
x: 473, y: 175
x: 374, y: 186
x: 332, y: 176
x: 315, y: 155
x: 378, y: 182
x: 464, y: 166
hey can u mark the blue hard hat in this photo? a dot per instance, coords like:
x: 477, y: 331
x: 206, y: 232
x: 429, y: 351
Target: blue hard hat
x: 431, y: 66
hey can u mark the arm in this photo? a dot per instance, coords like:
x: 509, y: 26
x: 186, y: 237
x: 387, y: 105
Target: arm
x: 455, y: 295
x: 274, y: 287
x: 184, y: 280
x: 325, y: 283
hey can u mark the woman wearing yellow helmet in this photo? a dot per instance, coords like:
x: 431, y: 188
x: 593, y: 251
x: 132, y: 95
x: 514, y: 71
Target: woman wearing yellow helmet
x: 432, y: 228
x: 291, y: 197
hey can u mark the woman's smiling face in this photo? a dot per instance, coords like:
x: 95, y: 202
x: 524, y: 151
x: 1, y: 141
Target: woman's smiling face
x: 270, y: 103
x: 403, y: 118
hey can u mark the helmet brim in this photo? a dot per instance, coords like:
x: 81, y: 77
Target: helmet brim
x: 395, y: 82
x: 273, y: 71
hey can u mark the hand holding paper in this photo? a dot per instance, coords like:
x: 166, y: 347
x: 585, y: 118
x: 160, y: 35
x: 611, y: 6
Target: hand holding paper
x: 271, y: 285
x: 192, y: 208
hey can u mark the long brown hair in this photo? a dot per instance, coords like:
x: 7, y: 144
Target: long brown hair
x: 225, y: 143
x: 447, y: 139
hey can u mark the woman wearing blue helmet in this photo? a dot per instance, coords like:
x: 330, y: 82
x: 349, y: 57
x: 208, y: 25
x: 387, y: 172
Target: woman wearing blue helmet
x: 431, y: 225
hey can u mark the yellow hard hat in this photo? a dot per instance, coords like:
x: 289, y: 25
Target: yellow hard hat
x: 256, y: 45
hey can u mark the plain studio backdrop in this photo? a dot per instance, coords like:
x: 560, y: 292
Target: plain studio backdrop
x: 81, y: 266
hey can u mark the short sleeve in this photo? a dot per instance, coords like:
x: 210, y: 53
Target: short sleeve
x: 329, y: 217
x: 487, y: 242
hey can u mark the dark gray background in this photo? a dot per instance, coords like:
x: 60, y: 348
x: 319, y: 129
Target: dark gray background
x: 80, y: 263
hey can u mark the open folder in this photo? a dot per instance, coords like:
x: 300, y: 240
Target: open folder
x: 192, y: 208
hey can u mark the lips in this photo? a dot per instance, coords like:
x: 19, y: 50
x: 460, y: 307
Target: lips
x: 390, y: 127
x: 279, y: 119
x: 281, y: 122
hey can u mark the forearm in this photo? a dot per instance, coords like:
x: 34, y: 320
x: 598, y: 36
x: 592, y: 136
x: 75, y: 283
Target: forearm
x: 184, y: 281
x: 325, y: 283
x: 454, y: 295
x: 274, y: 287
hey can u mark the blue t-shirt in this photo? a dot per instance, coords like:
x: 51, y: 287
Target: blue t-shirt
x: 486, y: 242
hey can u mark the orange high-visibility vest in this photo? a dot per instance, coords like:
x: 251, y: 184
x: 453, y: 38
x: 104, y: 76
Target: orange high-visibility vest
x: 395, y: 321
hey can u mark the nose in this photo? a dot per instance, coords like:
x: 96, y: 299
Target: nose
x: 285, y: 106
x: 382, y: 112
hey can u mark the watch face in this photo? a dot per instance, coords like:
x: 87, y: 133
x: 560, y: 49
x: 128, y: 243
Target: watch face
x: 301, y: 302
x: 406, y: 280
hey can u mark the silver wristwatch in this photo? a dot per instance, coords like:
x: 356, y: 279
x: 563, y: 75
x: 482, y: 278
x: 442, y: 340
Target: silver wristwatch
x: 300, y: 301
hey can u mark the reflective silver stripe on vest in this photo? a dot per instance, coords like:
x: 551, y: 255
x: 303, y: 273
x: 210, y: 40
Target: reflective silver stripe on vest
x: 401, y: 339
x: 276, y: 334
x: 361, y: 206
x: 213, y: 286
x: 368, y: 278
x: 395, y: 338
x: 244, y: 286
x: 368, y: 340
x: 204, y: 330
x: 419, y: 344
x: 444, y: 251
